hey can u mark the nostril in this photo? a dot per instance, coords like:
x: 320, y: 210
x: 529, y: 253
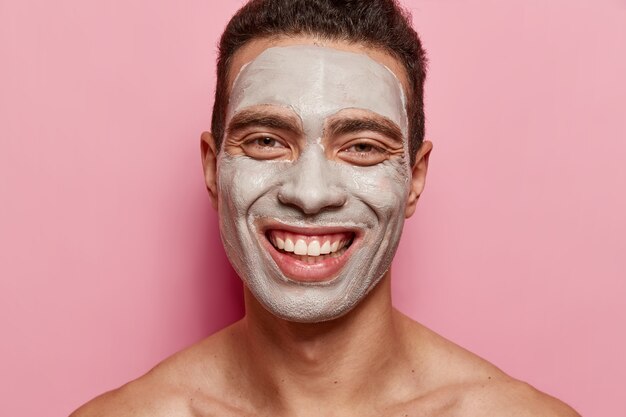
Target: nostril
x: 311, y: 200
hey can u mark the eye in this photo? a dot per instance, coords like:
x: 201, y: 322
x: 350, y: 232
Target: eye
x: 265, y: 146
x: 268, y: 142
x: 361, y: 148
x: 363, y: 153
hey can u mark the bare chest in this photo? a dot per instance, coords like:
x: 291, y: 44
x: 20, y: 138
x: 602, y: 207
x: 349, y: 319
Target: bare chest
x: 424, y: 407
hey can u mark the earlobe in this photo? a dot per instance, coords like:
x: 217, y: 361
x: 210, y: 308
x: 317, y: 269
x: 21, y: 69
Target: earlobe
x: 418, y: 177
x: 209, y: 165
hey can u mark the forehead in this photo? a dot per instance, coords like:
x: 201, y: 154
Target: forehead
x: 316, y: 81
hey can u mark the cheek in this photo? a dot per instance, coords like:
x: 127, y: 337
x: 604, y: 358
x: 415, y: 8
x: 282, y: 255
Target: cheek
x: 242, y: 181
x: 384, y: 188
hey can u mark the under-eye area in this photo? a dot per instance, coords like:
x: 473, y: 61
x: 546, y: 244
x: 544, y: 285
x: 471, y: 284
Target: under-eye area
x: 310, y: 248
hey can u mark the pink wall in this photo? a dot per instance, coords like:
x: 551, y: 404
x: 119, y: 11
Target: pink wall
x: 109, y: 254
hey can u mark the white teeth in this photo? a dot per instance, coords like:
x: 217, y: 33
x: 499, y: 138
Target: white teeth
x: 300, y: 248
x: 313, y: 249
x: 325, y: 249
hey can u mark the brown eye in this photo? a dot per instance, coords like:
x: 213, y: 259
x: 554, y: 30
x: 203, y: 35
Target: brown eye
x: 362, y: 147
x: 268, y: 142
x: 265, y: 147
x: 363, y: 154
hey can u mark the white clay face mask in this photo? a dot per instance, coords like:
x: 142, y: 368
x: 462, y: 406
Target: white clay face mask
x: 311, y: 233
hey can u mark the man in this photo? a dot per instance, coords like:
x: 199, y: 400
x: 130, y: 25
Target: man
x: 315, y: 159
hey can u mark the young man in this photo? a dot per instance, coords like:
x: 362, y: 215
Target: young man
x: 315, y: 159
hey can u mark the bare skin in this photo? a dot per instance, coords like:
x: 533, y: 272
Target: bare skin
x: 373, y: 361
x: 263, y: 366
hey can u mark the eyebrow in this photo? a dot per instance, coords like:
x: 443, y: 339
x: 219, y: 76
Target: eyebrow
x: 251, y: 118
x: 380, y: 125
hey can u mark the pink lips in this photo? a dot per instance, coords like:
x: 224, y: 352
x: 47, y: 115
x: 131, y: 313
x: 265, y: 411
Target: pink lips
x: 309, y: 255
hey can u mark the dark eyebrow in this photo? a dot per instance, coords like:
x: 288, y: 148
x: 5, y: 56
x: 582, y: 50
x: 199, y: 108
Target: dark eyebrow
x: 381, y: 125
x: 249, y: 118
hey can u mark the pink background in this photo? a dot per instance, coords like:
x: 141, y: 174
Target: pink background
x: 109, y: 252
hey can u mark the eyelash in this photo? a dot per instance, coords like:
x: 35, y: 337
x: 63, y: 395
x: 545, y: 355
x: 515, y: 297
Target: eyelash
x: 371, y: 148
x: 359, y: 152
x: 256, y: 141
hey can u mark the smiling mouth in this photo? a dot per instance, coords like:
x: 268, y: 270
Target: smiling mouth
x: 307, y: 257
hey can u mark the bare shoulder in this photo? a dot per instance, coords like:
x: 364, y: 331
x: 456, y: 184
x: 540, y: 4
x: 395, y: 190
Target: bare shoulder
x: 180, y: 385
x: 510, y: 398
x: 462, y: 383
x: 135, y: 399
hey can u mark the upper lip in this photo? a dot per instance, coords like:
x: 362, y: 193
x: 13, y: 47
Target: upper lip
x: 307, y: 230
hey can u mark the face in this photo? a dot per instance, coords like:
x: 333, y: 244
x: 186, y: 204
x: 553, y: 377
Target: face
x: 313, y: 178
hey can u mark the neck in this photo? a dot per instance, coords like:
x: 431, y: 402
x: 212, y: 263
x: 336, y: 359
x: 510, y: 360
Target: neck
x: 346, y: 361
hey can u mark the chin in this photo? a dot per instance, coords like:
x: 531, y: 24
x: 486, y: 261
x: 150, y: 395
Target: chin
x: 311, y: 275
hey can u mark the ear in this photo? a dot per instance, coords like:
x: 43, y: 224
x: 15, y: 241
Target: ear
x: 209, y: 165
x: 418, y: 177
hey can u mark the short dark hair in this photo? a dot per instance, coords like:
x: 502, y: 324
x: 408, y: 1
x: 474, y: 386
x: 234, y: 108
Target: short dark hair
x: 380, y: 24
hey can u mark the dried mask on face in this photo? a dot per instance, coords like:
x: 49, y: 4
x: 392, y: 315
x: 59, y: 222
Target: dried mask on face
x: 313, y: 177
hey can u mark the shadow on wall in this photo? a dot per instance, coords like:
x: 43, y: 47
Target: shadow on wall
x: 200, y: 292
x: 218, y: 289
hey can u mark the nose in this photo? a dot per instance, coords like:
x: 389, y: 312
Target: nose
x: 311, y: 184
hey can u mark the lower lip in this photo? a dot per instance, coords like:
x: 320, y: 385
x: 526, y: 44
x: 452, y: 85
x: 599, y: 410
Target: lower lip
x: 323, y: 270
